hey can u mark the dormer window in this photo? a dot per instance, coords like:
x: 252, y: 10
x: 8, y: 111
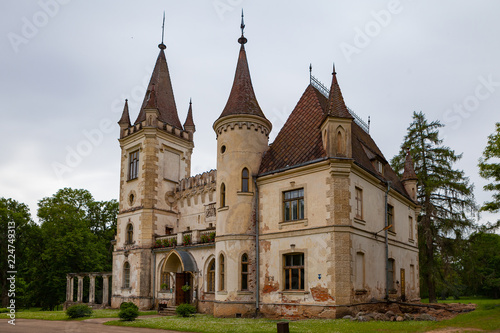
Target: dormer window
x: 379, y: 167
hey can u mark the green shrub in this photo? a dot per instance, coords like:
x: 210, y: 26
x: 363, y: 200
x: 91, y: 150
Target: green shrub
x: 128, y: 313
x: 185, y: 310
x: 2, y: 310
x: 125, y: 305
x: 78, y: 311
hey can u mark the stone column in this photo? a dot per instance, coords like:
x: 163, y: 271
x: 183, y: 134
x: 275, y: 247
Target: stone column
x: 105, y: 289
x: 72, y: 290
x: 79, y: 296
x: 195, y: 237
x: 92, y: 289
x: 68, y: 293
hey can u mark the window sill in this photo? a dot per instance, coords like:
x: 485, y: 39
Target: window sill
x: 210, y: 292
x: 127, y: 288
x: 361, y: 291
x: 221, y: 209
x: 244, y: 292
x: 411, y: 240
x: 132, y: 179
x: 222, y: 292
x: 294, y: 292
x: 293, y: 222
x: 392, y: 233
x: 359, y: 220
x: 244, y: 193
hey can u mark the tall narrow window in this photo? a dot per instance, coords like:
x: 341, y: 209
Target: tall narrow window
x: 244, y: 180
x: 359, y: 203
x: 244, y: 272
x: 211, y: 276
x: 126, y: 275
x: 390, y: 217
x: 293, y: 205
x: 130, y: 233
x: 221, y: 272
x: 133, y: 168
x: 340, y: 144
x: 410, y: 223
x: 360, y: 271
x: 165, y: 281
x: 412, y: 276
x: 294, y: 271
x: 223, y: 195
x: 391, y: 269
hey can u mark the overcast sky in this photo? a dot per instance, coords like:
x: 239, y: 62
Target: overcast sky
x: 67, y: 66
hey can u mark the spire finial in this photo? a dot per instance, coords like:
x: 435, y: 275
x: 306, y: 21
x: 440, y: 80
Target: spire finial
x: 310, y: 72
x: 242, y: 40
x: 161, y: 45
x: 190, y: 101
x: 334, y: 72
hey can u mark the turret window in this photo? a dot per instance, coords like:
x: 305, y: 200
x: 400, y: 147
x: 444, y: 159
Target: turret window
x: 244, y: 180
x: 222, y: 272
x: 223, y: 195
x: 244, y: 272
x: 133, y: 168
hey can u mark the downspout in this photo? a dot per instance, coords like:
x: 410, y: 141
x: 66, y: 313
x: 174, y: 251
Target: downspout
x: 154, y: 276
x: 387, y: 244
x: 257, y: 271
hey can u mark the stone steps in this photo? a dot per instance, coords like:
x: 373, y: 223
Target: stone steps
x: 170, y: 311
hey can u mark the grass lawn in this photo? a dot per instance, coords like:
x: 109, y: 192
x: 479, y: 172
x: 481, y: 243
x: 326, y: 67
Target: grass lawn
x: 485, y: 317
x: 61, y: 315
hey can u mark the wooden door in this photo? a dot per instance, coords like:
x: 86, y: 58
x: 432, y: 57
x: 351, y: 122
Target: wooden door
x: 403, y: 285
x: 180, y: 280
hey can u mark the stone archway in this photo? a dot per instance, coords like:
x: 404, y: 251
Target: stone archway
x: 183, y: 266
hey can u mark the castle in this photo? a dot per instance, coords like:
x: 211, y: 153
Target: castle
x: 304, y: 227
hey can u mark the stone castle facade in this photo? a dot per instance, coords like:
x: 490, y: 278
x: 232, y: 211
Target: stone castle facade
x: 294, y: 228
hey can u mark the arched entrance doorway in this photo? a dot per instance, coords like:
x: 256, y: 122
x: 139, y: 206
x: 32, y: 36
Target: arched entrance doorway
x: 182, y: 267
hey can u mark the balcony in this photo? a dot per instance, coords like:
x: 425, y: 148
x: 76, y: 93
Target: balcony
x: 186, y: 238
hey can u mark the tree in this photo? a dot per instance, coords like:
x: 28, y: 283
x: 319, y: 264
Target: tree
x: 15, y: 216
x: 444, y: 194
x: 488, y: 169
x: 75, y: 235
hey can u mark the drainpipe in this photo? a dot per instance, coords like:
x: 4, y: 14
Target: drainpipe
x: 387, y: 244
x: 257, y: 272
x: 154, y: 276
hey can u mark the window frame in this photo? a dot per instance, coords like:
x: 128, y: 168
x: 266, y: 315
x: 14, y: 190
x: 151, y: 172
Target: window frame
x: 410, y: 222
x: 288, y: 272
x: 133, y: 165
x: 390, y: 218
x: 126, y: 275
x: 222, y: 195
x: 129, y: 234
x: 165, y: 279
x: 211, y: 276
x: 391, y: 275
x: 300, y: 213
x: 222, y: 273
x: 359, y: 202
x: 245, y: 180
x: 245, y: 268
x: 360, y: 255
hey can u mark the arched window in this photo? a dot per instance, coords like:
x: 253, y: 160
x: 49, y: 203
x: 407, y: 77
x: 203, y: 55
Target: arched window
x: 244, y: 180
x: 244, y: 272
x: 211, y: 276
x: 221, y: 272
x: 130, y: 233
x: 126, y: 275
x: 340, y: 144
x: 223, y: 195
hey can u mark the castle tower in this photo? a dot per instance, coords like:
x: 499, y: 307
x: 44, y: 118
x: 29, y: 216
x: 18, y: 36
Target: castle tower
x: 409, y: 178
x: 155, y: 154
x: 242, y: 138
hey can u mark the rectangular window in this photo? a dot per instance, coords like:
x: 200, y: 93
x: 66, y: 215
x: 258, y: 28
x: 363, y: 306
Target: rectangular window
x: 294, y: 271
x: 360, y: 271
x: 391, y: 269
x: 293, y: 205
x: 390, y: 217
x: 359, y: 203
x: 165, y: 281
x: 410, y: 222
x: 412, y: 276
x: 244, y: 272
x: 133, y: 168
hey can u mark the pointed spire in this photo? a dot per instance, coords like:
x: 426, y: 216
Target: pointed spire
x: 125, y: 119
x: 336, y: 104
x: 409, y: 171
x: 164, y: 94
x: 189, y: 123
x: 242, y: 98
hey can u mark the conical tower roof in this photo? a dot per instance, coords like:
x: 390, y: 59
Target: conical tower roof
x: 242, y: 98
x: 189, y: 118
x: 409, y: 171
x: 336, y: 104
x: 125, y: 119
x: 164, y: 98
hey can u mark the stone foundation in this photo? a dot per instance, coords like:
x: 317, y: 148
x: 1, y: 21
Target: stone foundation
x: 234, y: 310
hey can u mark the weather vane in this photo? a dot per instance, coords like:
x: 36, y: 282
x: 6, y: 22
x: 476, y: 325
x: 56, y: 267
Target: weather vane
x: 242, y: 40
x: 161, y: 45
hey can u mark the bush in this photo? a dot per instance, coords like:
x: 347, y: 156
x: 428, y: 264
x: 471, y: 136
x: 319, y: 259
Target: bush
x: 185, y: 310
x: 78, y: 311
x: 125, y: 305
x: 128, y: 313
x: 2, y: 310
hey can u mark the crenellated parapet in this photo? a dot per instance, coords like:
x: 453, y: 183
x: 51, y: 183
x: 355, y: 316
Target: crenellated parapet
x: 156, y: 124
x: 249, y: 125
x: 196, y: 189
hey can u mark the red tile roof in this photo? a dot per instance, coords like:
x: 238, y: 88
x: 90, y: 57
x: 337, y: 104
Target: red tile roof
x: 125, y: 119
x: 336, y: 104
x: 242, y: 98
x: 165, y: 101
x: 189, y: 118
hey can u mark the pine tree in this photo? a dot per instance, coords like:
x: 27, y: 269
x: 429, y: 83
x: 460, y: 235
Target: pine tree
x: 488, y: 169
x: 444, y: 194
